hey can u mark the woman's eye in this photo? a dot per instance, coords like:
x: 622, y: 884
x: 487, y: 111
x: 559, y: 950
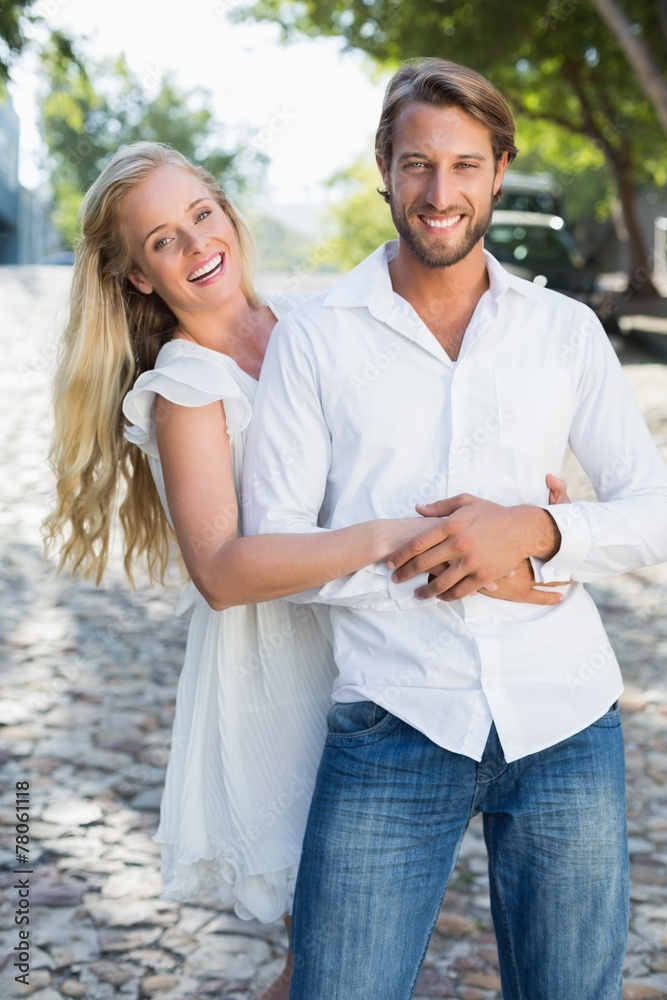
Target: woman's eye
x: 202, y: 215
x: 162, y: 242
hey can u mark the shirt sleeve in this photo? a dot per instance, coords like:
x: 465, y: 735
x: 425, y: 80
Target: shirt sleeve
x: 286, y: 468
x: 627, y: 528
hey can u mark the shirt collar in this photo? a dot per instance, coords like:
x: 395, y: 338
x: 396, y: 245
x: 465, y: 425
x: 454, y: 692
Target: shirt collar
x: 369, y: 283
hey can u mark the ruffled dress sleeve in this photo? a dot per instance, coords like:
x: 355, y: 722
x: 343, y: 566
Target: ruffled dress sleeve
x: 190, y: 376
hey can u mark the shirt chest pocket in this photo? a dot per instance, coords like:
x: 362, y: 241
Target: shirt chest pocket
x: 533, y: 408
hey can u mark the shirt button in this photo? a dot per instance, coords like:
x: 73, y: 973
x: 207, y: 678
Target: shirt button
x: 557, y: 571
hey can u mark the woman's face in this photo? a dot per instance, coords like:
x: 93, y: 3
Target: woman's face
x: 183, y: 245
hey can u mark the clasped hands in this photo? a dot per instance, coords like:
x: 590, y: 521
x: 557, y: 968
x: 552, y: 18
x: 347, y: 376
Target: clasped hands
x: 483, y: 547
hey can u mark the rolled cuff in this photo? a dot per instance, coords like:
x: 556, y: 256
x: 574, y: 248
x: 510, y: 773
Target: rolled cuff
x: 575, y: 544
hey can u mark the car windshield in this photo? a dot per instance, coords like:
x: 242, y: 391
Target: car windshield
x: 514, y: 244
x: 530, y: 201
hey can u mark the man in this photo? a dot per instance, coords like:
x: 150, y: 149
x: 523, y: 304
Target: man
x: 429, y: 364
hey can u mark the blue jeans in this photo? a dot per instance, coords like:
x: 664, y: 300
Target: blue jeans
x: 389, y: 812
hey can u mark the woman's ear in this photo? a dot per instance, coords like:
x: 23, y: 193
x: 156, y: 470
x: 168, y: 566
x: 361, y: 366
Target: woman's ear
x: 139, y: 282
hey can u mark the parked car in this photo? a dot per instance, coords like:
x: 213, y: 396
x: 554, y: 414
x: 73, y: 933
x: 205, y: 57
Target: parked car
x: 541, y: 249
x: 531, y: 193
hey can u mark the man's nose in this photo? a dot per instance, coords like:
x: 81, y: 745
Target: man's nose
x: 441, y: 189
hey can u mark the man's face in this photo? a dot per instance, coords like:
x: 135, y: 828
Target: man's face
x: 441, y: 182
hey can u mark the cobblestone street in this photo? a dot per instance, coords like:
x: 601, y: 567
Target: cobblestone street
x: 86, y: 708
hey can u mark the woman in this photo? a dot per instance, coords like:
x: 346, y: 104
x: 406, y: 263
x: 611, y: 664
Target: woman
x: 162, y: 293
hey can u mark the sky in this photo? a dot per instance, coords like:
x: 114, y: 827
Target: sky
x: 308, y: 105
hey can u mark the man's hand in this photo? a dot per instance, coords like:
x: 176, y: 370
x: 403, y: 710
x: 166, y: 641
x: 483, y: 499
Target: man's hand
x: 479, y: 541
x: 520, y: 586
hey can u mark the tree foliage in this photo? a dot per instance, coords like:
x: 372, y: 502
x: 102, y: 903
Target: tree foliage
x: 18, y: 20
x: 361, y: 219
x: 14, y: 15
x: 638, y: 54
x: 87, y: 114
x: 556, y: 61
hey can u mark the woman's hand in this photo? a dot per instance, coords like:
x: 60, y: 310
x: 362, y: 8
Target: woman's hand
x: 557, y: 490
x: 520, y: 588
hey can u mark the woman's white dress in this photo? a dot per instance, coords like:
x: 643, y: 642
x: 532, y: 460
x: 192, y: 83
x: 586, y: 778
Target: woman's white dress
x: 252, y: 697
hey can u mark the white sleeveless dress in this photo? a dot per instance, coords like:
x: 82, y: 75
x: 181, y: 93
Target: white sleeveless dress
x: 252, y: 697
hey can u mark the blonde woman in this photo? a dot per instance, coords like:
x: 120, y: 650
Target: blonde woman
x: 162, y: 300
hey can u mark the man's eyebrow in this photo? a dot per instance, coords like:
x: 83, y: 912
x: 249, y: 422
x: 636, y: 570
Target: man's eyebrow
x: 163, y: 224
x: 413, y: 156
x: 459, y: 156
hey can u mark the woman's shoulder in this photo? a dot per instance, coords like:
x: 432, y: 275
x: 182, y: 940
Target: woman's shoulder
x: 191, y: 366
x: 188, y: 375
x: 185, y: 354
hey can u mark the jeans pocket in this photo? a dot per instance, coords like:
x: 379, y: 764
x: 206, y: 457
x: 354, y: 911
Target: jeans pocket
x: 358, y: 720
x: 610, y: 719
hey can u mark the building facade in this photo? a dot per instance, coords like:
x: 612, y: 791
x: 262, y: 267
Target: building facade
x: 27, y: 233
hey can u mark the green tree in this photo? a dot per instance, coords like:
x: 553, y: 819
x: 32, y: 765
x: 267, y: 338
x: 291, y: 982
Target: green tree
x: 557, y: 63
x: 12, y: 31
x: 18, y: 19
x: 88, y: 114
x: 361, y: 220
x: 279, y: 247
x: 638, y: 54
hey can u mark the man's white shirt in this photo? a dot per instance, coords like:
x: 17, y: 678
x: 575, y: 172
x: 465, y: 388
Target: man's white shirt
x: 360, y: 414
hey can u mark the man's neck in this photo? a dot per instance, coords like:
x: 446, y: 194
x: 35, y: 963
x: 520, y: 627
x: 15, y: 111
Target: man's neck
x: 445, y: 298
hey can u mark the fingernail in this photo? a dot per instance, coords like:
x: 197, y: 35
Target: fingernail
x: 391, y: 565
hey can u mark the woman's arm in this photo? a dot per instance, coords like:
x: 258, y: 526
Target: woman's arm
x: 228, y: 570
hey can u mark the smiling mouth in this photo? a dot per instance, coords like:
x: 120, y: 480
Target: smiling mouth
x: 441, y: 223
x: 208, y: 268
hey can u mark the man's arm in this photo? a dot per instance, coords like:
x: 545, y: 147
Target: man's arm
x: 626, y: 529
x: 478, y: 540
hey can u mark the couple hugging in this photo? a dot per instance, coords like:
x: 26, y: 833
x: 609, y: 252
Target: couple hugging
x: 426, y: 664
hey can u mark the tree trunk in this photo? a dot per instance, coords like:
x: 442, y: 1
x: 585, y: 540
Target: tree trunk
x: 619, y: 156
x: 662, y: 15
x: 638, y: 55
x: 640, y: 284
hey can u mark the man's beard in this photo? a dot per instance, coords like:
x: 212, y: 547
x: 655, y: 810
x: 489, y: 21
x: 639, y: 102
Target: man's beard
x: 444, y: 256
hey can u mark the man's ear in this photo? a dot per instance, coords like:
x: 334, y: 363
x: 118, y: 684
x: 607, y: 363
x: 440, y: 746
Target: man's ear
x: 139, y: 282
x: 501, y: 167
x: 382, y: 167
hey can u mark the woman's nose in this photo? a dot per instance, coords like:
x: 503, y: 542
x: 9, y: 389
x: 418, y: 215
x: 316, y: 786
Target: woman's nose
x: 194, y: 241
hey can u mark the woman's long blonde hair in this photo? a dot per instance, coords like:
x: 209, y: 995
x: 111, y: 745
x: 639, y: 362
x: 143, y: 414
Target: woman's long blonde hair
x: 114, y: 334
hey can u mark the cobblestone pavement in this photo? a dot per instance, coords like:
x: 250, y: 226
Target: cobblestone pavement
x: 85, y: 714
